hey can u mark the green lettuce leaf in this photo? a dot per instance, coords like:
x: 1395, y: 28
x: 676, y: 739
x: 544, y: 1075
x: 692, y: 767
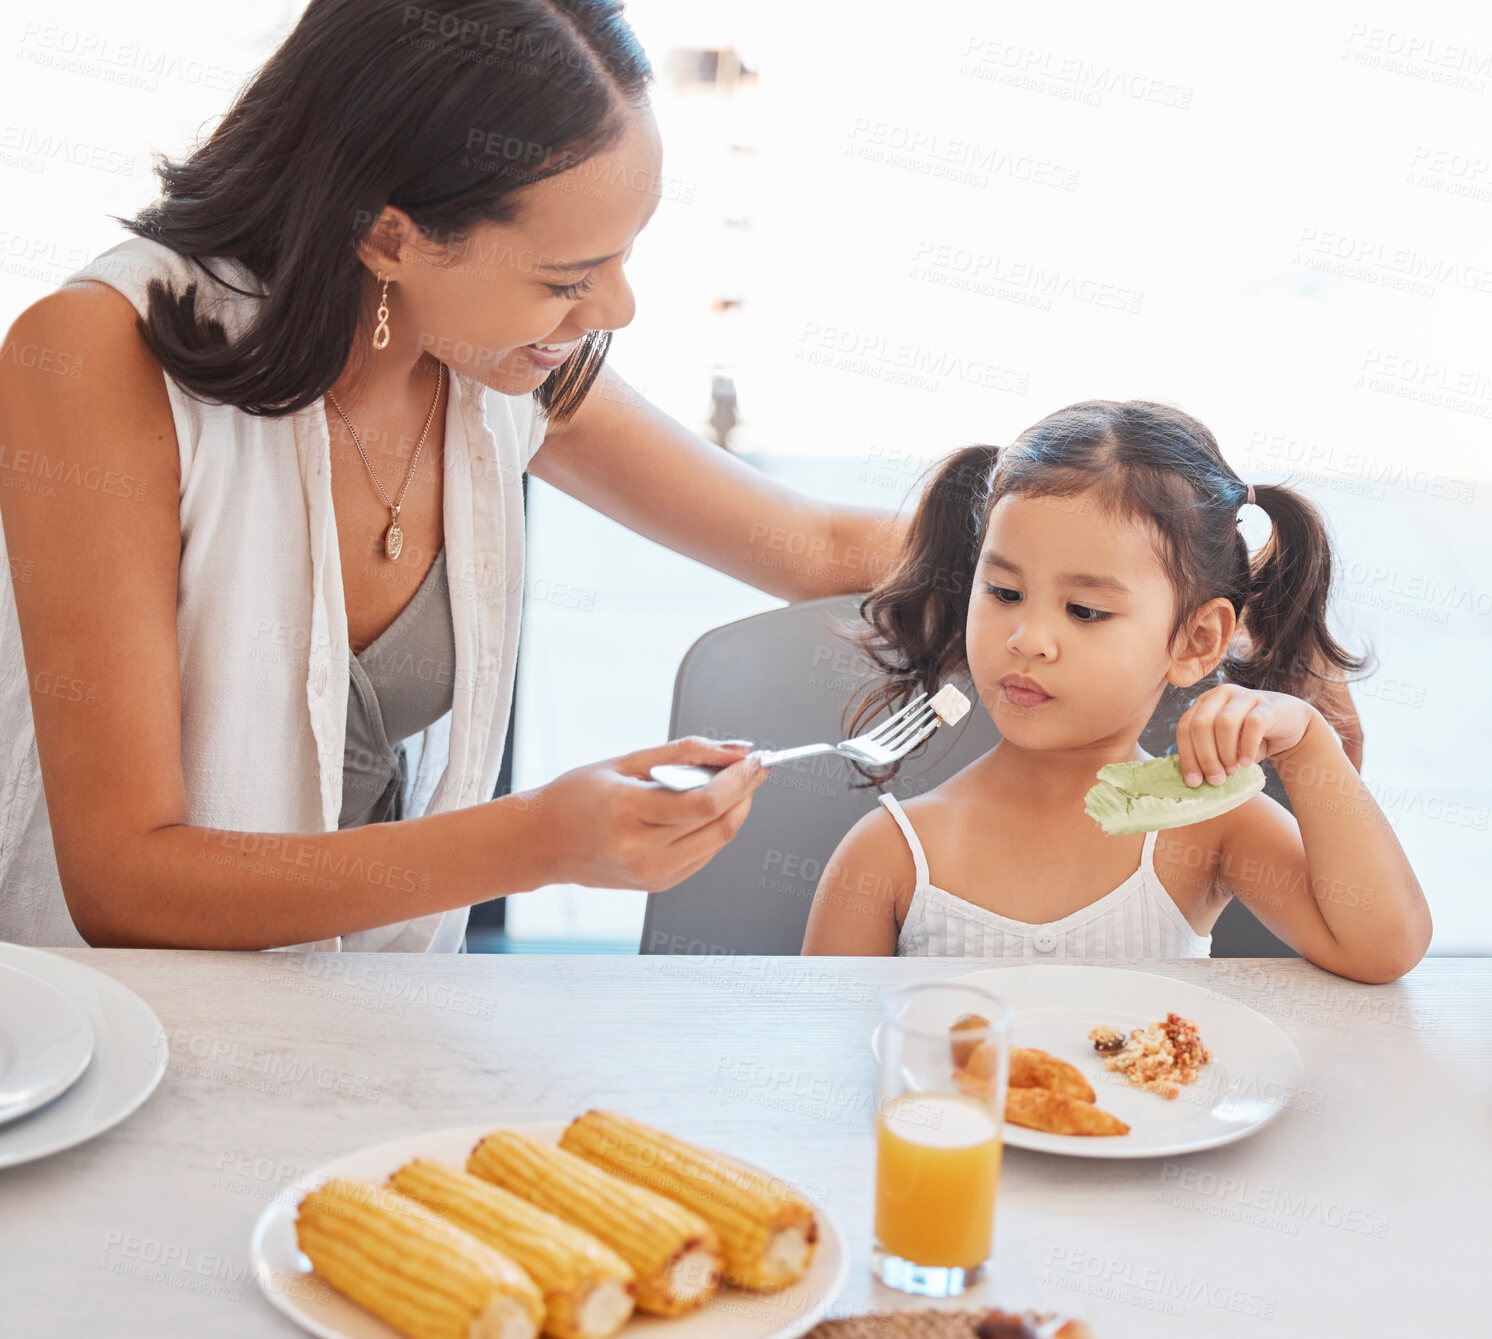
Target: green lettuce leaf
x: 1148, y: 796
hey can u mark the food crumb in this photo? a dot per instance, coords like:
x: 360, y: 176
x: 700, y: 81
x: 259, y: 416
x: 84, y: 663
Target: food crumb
x: 1162, y: 1058
x: 1107, y: 1039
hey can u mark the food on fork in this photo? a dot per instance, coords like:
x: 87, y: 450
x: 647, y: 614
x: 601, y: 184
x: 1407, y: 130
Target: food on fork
x: 1147, y: 796
x: 413, y: 1269
x: 768, y: 1230
x: 1162, y: 1058
x: 1056, y: 1113
x: 587, y: 1286
x: 963, y: 1047
x: 675, y: 1253
x: 950, y: 704
x: 1031, y: 1068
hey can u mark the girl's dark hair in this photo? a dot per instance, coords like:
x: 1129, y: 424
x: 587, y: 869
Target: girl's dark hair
x: 1140, y: 460
x: 440, y: 108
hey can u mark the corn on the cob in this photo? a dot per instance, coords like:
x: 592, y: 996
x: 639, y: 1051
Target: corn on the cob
x: 587, y: 1286
x: 676, y: 1253
x: 768, y: 1229
x: 422, y: 1275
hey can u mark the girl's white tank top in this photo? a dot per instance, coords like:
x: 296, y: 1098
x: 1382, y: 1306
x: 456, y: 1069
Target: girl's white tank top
x: 1138, y: 919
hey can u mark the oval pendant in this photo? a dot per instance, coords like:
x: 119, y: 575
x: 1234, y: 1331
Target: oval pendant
x: 393, y: 541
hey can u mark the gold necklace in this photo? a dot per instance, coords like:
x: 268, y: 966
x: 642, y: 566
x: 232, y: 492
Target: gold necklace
x: 393, y: 538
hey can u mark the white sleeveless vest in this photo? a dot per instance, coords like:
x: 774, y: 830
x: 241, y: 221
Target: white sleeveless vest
x: 1138, y: 919
x: 262, y: 626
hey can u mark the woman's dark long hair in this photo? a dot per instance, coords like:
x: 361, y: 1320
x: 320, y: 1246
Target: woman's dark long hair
x: 442, y: 109
x: 1140, y: 460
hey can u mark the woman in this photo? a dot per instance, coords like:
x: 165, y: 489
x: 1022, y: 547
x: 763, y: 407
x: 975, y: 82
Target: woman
x: 270, y: 523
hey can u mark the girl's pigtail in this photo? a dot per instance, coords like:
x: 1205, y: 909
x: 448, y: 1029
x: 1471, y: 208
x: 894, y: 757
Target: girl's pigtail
x: 1287, y: 647
x: 912, y: 623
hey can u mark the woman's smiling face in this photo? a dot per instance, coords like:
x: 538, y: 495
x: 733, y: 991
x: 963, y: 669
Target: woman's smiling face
x: 1069, y: 621
x: 548, y: 278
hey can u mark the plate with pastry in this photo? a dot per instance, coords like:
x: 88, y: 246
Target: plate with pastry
x: 600, y: 1227
x: 1105, y: 1062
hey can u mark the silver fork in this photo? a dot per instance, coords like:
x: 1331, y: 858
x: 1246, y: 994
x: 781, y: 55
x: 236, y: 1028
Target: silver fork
x: 893, y: 739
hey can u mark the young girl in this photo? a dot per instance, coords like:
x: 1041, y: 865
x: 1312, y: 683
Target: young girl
x: 1072, y: 576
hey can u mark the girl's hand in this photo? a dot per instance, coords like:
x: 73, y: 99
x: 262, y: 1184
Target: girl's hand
x: 1229, y: 727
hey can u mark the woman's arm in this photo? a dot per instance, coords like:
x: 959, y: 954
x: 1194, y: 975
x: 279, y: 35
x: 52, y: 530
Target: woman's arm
x: 868, y: 877
x: 1333, y: 882
x: 98, y: 613
x: 629, y: 460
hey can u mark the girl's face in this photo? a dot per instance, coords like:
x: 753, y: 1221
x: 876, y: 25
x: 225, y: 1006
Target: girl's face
x: 1068, y: 622
x: 480, y: 305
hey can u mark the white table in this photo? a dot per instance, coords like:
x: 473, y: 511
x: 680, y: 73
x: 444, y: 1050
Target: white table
x: 1362, y: 1211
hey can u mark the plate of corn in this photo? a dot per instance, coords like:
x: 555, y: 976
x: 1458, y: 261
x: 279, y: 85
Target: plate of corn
x: 601, y: 1227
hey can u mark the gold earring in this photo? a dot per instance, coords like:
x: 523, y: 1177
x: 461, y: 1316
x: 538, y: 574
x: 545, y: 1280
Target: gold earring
x: 381, y: 334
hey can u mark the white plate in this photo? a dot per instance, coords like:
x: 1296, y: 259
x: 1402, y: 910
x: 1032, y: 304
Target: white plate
x: 128, y: 1061
x: 1254, y: 1075
x: 45, y: 1042
x: 285, y: 1275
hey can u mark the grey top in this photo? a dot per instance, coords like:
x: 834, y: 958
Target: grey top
x: 401, y: 683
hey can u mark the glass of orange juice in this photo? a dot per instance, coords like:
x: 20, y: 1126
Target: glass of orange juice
x: 939, y: 1137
